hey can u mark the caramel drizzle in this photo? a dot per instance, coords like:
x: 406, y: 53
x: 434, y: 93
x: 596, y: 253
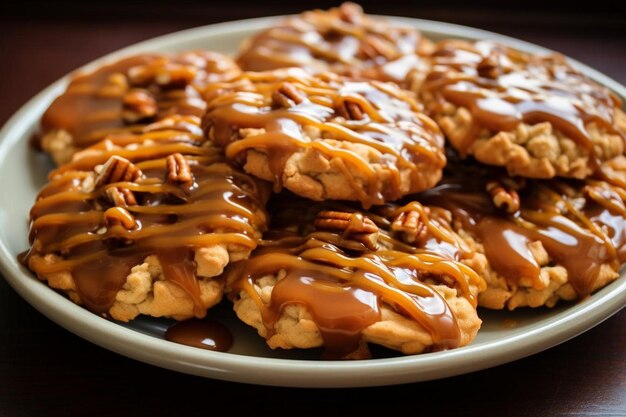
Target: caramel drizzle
x: 220, y: 206
x: 342, y: 40
x: 391, y: 125
x: 342, y: 283
x: 97, y: 104
x: 580, y: 234
x: 503, y: 87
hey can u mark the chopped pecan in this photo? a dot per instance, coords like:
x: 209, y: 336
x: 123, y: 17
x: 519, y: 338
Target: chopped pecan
x: 503, y: 197
x: 351, y: 13
x: 488, y: 67
x: 163, y: 73
x: 121, y: 197
x: 117, y: 169
x: 410, y: 224
x: 119, y: 216
x: 350, y: 110
x: 286, y: 96
x: 178, y: 170
x: 138, y: 105
x: 354, y: 226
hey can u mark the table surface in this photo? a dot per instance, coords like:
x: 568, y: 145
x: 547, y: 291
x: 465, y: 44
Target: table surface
x: 45, y: 370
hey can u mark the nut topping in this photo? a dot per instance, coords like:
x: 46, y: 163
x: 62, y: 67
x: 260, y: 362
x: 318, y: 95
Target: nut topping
x: 373, y: 47
x: 410, y: 224
x: 117, y: 169
x: 350, y: 110
x: 119, y: 216
x: 488, y: 68
x: 121, y: 197
x: 354, y: 226
x: 138, y: 105
x: 287, y: 96
x: 504, y: 198
x: 178, y: 170
x: 351, y: 13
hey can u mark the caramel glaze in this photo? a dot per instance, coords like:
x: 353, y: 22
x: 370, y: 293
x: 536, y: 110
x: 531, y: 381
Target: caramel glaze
x: 503, y: 87
x: 342, y: 40
x: 203, y: 334
x: 581, y: 224
x: 343, y: 285
x: 220, y: 206
x: 93, y: 105
x: 391, y: 124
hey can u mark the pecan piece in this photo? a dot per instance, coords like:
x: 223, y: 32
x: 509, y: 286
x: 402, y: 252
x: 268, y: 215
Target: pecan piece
x: 178, y: 170
x: 353, y: 226
x: 287, y: 96
x: 121, y: 197
x: 119, y: 216
x: 351, y: 13
x: 488, y: 67
x: 138, y: 105
x: 117, y: 169
x: 504, y: 198
x: 373, y: 47
x: 410, y: 224
x: 350, y: 110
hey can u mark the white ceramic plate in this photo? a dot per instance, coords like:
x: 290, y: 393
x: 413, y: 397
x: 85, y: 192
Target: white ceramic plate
x: 23, y: 172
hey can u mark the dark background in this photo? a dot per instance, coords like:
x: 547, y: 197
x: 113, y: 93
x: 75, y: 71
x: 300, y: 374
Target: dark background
x: 47, y: 371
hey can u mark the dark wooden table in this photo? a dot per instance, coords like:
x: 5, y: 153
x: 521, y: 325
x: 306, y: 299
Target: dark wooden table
x: 45, y: 370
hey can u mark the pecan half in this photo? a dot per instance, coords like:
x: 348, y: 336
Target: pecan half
x: 138, y: 105
x: 121, y: 197
x: 117, y: 169
x: 350, y: 110
x: 353, y: 226
x: 503, y: 197
x: 119, y: 216
x: 488, y: 67
x: 410, y: 225
x: 287, y: 96
x: 178, y: 170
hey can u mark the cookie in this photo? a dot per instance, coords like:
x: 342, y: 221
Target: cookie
x: 343, y: 40
x: 326, y: 137
x: 145, y: 233
x: 543, y: 240
x: 344, y: 280
x: 126, y: 95
x: 535, y: 115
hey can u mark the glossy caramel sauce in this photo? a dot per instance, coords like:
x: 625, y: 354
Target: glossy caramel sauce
x: 581, y: 224
x: 96, y: 104
x: 390, y: 124
x: 169, y: 219
x: 343, y: 285
x: 203, y: 334
x: 503, y: 87
x: 342, y: 40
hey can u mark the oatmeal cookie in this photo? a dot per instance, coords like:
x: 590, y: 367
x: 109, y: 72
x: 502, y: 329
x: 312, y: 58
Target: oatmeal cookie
x: 344, y: 280
x: 124, y: 96
x: 543, y: 240
x: 326, y: 137
x: 533, y: 114
x: 342, y: 40
x: 146, y: 235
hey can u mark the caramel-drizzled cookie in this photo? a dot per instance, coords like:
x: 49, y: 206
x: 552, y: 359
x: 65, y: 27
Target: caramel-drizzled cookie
x: 126, y: 95
x: 147, y: 231
x: 343, y: 40
x: 543, y: 240
x: 343, y: 279
x: 533, y: 114
x: 326, y: 137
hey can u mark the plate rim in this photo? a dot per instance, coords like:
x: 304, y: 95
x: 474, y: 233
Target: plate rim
x: 557, y: 329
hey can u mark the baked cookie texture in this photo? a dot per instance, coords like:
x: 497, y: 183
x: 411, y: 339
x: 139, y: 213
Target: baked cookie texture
x: 126, y: 95
x: 535, y: 115
x: 148, y: 232
x: 326, y: 137
x: 543, y: 241
x: 345, y: 279
x: 343, y: 40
